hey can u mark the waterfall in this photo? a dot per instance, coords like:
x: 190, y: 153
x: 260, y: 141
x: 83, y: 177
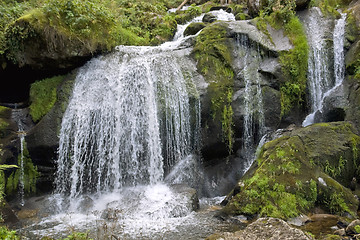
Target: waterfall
x: 18, y: 115
x: 339, y: 56
x: 321, y: 81
x: 127, y: 122
x: 254, y: 120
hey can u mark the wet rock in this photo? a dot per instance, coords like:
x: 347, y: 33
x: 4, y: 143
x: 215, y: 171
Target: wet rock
x: 248, y: 27
x: 264, y: 229
x: 194, y: 28
x: 27, y: 213
x: 209, y: 18
x: 188, y: 193
x: 43, y: 139
x: 299, y: 221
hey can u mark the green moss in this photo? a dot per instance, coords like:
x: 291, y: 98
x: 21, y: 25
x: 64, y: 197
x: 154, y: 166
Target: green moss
x: 30, y: 175
x: 329, y: 7
x: 95, y: 24
x: 214, y: 61
x: 43, y: 96
x: 281, y: 14
x: 285, y: 183
x: 185, y: 16
x: 294, y: 66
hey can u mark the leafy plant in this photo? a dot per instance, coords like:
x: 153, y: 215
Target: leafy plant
x: 7, y: 234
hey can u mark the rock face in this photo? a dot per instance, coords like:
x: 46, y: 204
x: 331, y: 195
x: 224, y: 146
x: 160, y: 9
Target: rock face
x: 265, y: 229
x: 42, y: 140
x: 300, y: 170
x: 250, y: 81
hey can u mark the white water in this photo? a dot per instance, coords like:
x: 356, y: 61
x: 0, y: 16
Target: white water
x: 320, y: 80
x: 17, y: 116
x: 254, y: 120
x: 133, y: 118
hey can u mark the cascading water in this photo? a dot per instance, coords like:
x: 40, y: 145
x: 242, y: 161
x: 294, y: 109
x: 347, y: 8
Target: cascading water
x: 18, y: 116
x: 133, y: 118
x: 339, y: 56
x: 111, y: 132
x: 321, y: 81
x: 254, y: 120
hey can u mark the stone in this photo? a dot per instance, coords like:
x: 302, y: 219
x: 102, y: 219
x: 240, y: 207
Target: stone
x: 194, y: 28
x: 27, y: 213
x: 340, y: 232
x: 248, y: 28
x: 319, y: 145
x: 209, y: 18
x: 299, y: 220
x: 351, y: 228
x: 264, y: 229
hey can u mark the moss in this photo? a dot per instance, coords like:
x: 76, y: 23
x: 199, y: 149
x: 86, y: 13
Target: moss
x: 294, y: 66
x: 213, y: 54
x: 30, y: 175
x: 286, y: 181
x: 185, y: 16
x: 329, y: 7
x: 281, y: 14
x: 43, y: 96
x: 97, y: 25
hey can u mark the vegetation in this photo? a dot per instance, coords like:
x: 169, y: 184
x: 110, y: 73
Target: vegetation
x: 281, y: 14
x: 7, y: 234
x: 214, y: 61
x: 30, y: 175
x: 286, y: 182
x: 93, y: 23
x: 43, y: 96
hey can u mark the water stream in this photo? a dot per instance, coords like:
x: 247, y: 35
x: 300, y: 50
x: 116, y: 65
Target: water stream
x: 18, y: 115
x: 254, y: 120
x: 323, y: 78
x: 129, y: 144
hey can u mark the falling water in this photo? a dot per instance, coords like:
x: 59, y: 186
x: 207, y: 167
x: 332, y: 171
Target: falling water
x: 339, y: 56
x: 111, y: 132
x: 254, y: 121
x: 320, y: 78
x: 18, y: 116
x: 129, y: 141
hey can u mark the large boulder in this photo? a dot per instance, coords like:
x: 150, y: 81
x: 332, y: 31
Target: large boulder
x: 307, y: 167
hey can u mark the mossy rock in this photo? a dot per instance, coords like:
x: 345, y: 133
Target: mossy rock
x: 289, y: 179
x: 352, y: 58
x: 42, y: 140
x: 213, y: 52
x: 194, y: 28
x: 33, y: 42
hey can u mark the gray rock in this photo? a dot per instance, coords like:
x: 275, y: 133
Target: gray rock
x: 248, y: 27
x: 265, y: 229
